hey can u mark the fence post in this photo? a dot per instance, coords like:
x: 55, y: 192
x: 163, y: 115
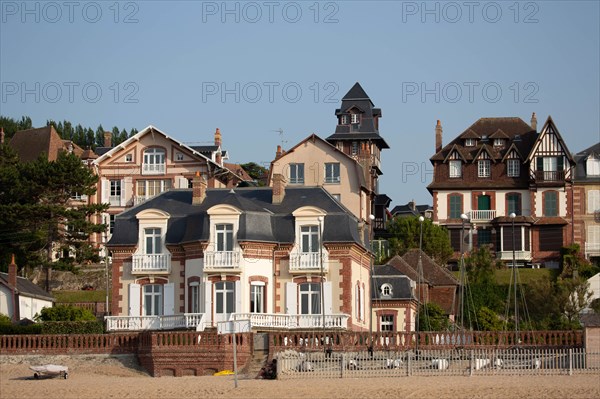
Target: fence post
x: 471, y: 364
x: 409, y: 364
x: 570, y: 361
x: 342, y: 365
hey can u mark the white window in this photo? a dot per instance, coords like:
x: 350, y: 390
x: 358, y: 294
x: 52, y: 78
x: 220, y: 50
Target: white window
x: 257, y: 297
x: 154, y: 161
x: 593, y: 201
x: 310, y: 298
x: 129, y: 158
x: 115, y: 192
x: 470, y: 142
x: 498, y: 142
x: 593, y: 237
x: 513, y: 168
x: 309, y: 239
x: 150, y: 188
x: 224, y: 233
x: 152, y: 241
x: 194, y: 297
x: 387, y: 322
x: 483, y: 168
x: 593, y: 166
x: 354, y: 118
x: 344, y: 119
x: 225, y: 297
x: 355, y: 148
x: 179, y: 156
x: 386, y: 290
x: 153, y: 300
x: 296, y: 173
x: 455, y: 168
x: 332, y: 172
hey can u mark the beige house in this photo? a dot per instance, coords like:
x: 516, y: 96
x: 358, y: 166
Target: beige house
x: 586, y: 201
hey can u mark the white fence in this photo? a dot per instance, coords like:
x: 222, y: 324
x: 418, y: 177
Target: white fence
x: 327, y: 364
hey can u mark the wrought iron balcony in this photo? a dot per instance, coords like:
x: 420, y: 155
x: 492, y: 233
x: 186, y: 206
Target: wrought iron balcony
x: 154, y: 263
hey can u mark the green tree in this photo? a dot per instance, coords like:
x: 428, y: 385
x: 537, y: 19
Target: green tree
x: 405, y: 234
x: 432, y: 318
x: 488, y: 320
x: 255, y: 171
x: 65, y: 313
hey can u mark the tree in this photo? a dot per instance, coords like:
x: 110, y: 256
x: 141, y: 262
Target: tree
x: 405, y: 234
x: 65, y: 313
x: 432, y: 318
x: 255, y: 171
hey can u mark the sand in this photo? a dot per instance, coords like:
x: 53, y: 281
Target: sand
x: 116, y: 379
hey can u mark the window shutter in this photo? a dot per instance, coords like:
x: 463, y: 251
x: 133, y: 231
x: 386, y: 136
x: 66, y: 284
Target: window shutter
x: 134, y: 299
x: 122, y: 199
x: 540, y: 163
x: 593, y: 203
x: 361, y: 302
x: 104, y: 191
x: 291, y: 303
x: 238, y: 297
x: 560, y: 163
x: 169, y: 299
x: 207, y: 303
x: 327, y: 298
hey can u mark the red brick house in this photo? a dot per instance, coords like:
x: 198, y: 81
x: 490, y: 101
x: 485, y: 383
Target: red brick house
x: 503, y: 166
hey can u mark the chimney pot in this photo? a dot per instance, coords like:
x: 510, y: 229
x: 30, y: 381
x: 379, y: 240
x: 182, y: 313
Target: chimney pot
x: 198, y: 189
x: 108, y: 139
x: 12, y: 273
x: 438, y: 136
x: 279, y: 152
x: 534, y: 122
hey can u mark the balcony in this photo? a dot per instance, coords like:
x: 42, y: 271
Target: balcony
x: 289, y: 322
x: 592, y: 249
x: 153, y: 169
x: 155, y: 263
x: 519, y: 255
x: 307, y: 261
x: 552, y: 176
x: 139, y: 323
x: 114, y: 200
x: 481, y: 215
x: 217, y: 260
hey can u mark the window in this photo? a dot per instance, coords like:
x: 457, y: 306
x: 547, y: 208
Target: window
x: 115, y: 192
x: 550, y: 203
x: 194, y: 297
x: 310, y: 298
x: 355, y: 148
x: 483, y: 168
x: 387, y: 322
x: 455, y: 208
x: 550, y: 168
x: 154, y: 161
x: 498, y: 142
x: 470, y: 142
x: 150, y: 188
x: 484, y: 237
x: 513, y: 168
x: 455, y: 168
x: 153, y: 300
x: 386, y: 290
x: 296, y: 173
x: 153, y: 241
x: 77, y: 197
x: 257, y: 297
x: 592, y: 166
x: 129, y: 158
x: 593, y: 201
x: 224, y: 233
x: 508, y: 235
x: 332, y: 172
x: 225, y: 297
x: 309, y: 236
x: 551, y: 238
x: 179, y: 156
x: 111, y: 223
x: 344, y: 119
x: 354, y: 118
x: 337, y: 197
x: 513, y: 204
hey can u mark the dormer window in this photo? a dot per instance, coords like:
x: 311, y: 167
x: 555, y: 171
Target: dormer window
x: 355, y: 148
x: 498, y: 142
x: 513, y: 168
x: 483, y: 168
x: 455, y: 168
x: 386, y: 290
x: 470, y: 142
x: 354, y: 118
x: 592, y: 166
x: 344, y: 119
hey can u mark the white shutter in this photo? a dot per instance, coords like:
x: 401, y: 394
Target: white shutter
x: 126, y: 191
x: 361, y: 302
x: 291, y: 302
x: 238, y: 297
x: 169, y: 299
x: 593, y: 201
x: 328, y: 297
x: 182, y: 182
x: 208, y: 302
x: 104, y: 191
x: 122, y: 199
x: 135, y: 292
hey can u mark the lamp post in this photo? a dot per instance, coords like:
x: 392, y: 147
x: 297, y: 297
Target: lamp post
x: 514, y: 265
x: 463, y: 218
x: 420, y: 280
x: 106, y: 257
x: 322, y: 273
x: 371, y: 291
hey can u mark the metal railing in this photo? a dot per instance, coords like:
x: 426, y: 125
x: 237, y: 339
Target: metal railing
x: 519, y: 255
x: 221, y: 260
x: 157, y: 263
x: 139, y: 323
x: 307, y: 261
x: 287, y: 321
x: 475, y: 215
x: 549, y: 175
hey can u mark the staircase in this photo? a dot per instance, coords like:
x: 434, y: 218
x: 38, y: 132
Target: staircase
x: 260, y: 356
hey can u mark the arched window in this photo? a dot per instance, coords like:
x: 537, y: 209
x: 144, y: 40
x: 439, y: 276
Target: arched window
x: 154, y: 161
x: 386, y: 290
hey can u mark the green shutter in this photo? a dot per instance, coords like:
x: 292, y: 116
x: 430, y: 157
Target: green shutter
x: 540, y: 163
x: 560, y: 163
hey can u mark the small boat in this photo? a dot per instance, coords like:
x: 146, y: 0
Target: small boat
x: 50, y: 370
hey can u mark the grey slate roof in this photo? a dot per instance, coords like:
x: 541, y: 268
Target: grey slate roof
x: 261, y: 220
x: 400, y: 284
x: 27, y: 288
x: 580, y: 164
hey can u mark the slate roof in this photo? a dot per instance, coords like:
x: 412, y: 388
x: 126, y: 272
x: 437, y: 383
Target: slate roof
x: 357, y: 98
x: 27, y: 288
x: 433, y: 273
x: 590, y: 319
x: 580, y: 164
x: 407, y: 210
x: 31, y: 143
x: 260, y: 220
x: 400, y: 284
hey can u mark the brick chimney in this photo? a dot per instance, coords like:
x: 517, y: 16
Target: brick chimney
x: 108, y: 139
x: 1, y: 135
x: 12, y: 273
x: 218, y: 143
x: 279, y: 152
x: 279, y: 183
x: 198, y: 189
x: 533, y: 122
x: 438, y: 137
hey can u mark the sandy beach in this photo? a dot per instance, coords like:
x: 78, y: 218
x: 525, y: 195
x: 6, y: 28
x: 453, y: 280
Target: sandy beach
x: 109, y: 378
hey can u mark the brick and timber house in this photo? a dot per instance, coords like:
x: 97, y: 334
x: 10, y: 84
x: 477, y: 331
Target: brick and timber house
x: 503, y: 166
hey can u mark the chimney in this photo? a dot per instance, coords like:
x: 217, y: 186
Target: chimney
x: 198, y: 189
x: 533, y: 122
x: 12, y: 273
x: 412, y: 205
x: 108, y: 139
x: 438, y: 137
x: 1, y: 135
x: 279, y: 152
x: 218, y: 143
x: 278, y: 188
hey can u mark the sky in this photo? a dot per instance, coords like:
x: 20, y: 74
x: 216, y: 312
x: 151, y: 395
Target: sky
x: 272, y: 72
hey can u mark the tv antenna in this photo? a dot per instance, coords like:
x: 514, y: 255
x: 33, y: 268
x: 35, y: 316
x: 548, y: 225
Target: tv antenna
x: 280, y: 131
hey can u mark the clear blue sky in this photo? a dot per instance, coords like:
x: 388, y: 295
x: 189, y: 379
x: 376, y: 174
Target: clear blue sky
x: 251, y: 68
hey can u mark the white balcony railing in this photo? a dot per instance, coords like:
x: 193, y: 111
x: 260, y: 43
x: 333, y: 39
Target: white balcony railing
x: 115, y: 200
x: 153, y: 169
x: 155, y: 263
x: 138, y: 323
x: 592, y: 249
x: 307, y: 261
x: 221, y: 260
x: 288, y: 321
x: 519, y: 255
x: 480, y: 215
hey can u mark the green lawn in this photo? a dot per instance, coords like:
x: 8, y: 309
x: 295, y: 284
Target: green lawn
x: 80, y: 296
x: 526, y: 276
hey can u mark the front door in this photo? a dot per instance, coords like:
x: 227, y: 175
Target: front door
x: 224, y: 300
x: 484, y: 203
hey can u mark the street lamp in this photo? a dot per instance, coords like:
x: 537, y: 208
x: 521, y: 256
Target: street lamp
x: 371, y: 291
x: 514, y: 265
x: 463, y: 218
x: 322, y: 272
x: 419, y: 280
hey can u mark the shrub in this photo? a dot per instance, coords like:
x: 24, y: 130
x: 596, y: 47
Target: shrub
x: 15, y: 329
x: 65, y: 313
x: 72, y: 327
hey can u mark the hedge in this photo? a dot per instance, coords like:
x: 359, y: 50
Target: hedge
x: 72, y: 327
